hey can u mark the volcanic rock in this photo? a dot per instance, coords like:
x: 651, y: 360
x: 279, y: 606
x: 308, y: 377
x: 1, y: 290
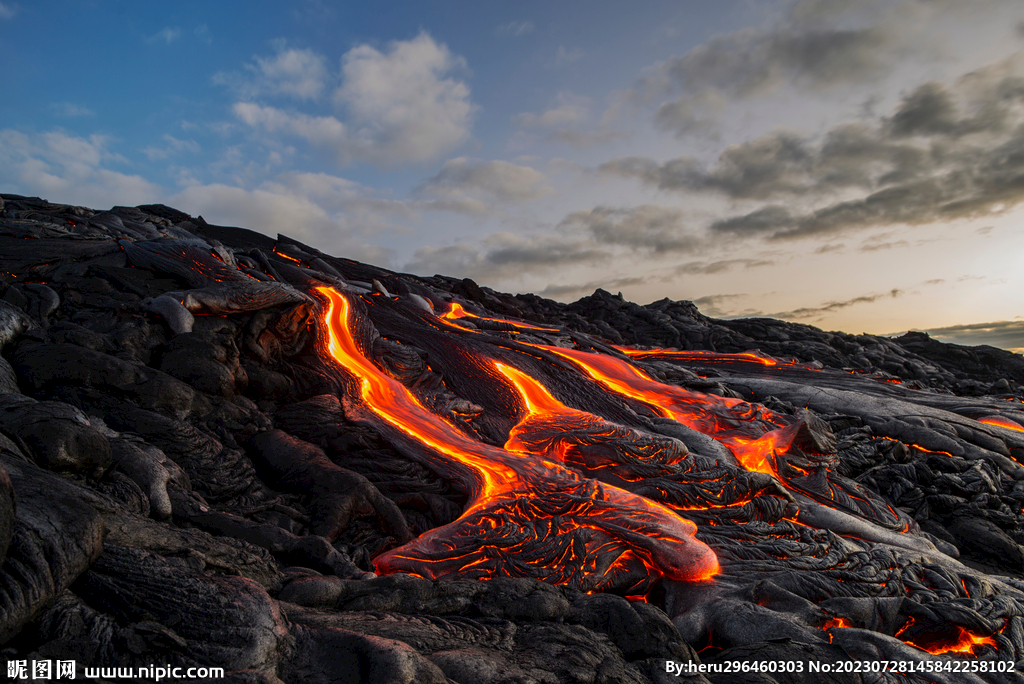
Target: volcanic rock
x: 190, y: 473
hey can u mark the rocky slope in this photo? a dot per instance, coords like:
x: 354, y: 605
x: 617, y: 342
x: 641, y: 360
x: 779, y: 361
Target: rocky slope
x: 182, y: 482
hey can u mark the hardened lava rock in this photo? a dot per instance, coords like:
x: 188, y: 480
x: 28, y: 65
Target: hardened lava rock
x: 191, y: 474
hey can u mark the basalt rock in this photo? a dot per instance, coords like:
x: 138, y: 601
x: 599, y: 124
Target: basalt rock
x: 198, y: 474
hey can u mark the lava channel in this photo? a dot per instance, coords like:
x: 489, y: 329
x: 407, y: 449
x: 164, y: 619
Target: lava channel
x: 528, y: 516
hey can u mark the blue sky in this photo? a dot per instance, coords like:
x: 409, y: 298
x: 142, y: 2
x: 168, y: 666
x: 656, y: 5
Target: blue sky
x: 852, y: 164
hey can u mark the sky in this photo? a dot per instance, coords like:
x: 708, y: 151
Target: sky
x: 855, y: 165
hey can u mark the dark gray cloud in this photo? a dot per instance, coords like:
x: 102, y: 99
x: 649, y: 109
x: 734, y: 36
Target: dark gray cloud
x: 721, y: 266
x: 774, y: 164
x: 504, y: 255
x: 752, y: 61
x: 833, y: 306
x: 1002, y: 334
x: 710, y: 305
x: 816, y: 45
x: 944, y: 153
x: 880, y: 246
x: 583, y: 238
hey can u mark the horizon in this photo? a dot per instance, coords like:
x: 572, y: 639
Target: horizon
x: 854, y: 166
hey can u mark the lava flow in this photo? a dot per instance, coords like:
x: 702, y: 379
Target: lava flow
x: 707, y: 357
x: 999, y: 421
x: 965, y: 642
x: 751, y: 433
x: 528, y: 515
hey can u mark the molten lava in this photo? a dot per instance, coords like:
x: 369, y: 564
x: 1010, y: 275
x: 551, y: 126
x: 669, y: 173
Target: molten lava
x: 705, y: 357
x: 529, y: 515
x: 751, y: 433
x: 999, y: 421
x: 966, y: 642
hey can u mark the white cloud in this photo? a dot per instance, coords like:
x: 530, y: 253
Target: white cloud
x: 326, y: 211
x: 8, y: 11
x: 403, y: 101
x: 69, y: 168
x: 515, y: 28
x: 202, y: 32
x: 401, y: 106
x: 299, y: 73
x: 167, y: 34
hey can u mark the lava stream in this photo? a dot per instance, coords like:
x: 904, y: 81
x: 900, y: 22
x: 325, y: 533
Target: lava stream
x: 528, y: 516
x: 752, y: 434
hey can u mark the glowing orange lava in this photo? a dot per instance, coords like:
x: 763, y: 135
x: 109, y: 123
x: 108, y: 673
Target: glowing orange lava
x: 457, y: 312
x: 999, y: 421
x: 752, y: 435
x: 836, y: 622
x: 616, y: 536
x: 709, y: 357
x: 966, y: 643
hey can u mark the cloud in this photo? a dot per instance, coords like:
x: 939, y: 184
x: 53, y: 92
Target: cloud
x: 770, y: 218
x: 582, y: 140
x: 69, y: 109
x: 69, y: 168
x: 880, y: 246
x: 505, y: 255
x: 754, y: 62
x: 569, y: 110
x: 168, y: 35
x: 813, y: 47
x: 760, y: 168
x: 202, y: 32
x: 648, y: 227
x: 709, y: 305
x: 302, y: 74
x: 833, y: 306
x: 515, y: 28
x: 298, y: 73
x: 946, y: 152
x: 7, y: 11
x: 333, y: 213
x: 402, y: 106
x: 472, y: 186
x: 1002, y: 334
x: 720, y: 266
